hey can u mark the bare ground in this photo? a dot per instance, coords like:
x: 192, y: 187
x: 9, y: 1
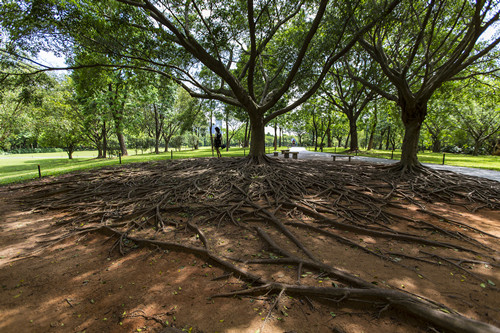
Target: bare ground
x: 224, y: 245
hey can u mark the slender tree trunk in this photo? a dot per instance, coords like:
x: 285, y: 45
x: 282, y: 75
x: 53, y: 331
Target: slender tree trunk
x: 281, y: 137
x: 329, y: 137
x: 388, y: 138
x: 347, y: 141
x: 211, y: 129
x: 227, y: 131
x: 276, y: 136
x: 372, y: 132
x: 245, y: 139
x: 104, y: 140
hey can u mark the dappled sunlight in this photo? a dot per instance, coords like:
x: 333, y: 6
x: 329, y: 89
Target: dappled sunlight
x: 221, y: 245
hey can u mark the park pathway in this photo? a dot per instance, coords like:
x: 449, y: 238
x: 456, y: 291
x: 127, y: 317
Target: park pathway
x: 314, y: 155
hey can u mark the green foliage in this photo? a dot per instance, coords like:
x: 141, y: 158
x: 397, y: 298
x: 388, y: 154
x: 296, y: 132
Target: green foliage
x: 177, y: 141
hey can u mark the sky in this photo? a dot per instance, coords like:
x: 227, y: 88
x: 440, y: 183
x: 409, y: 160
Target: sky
x: 50, y: 59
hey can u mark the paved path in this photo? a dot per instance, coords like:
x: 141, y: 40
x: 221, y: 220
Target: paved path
x: 489, y: 174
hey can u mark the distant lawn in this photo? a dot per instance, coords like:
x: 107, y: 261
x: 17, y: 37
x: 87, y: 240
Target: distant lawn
x: 482, y: 162
x: 22, y: 167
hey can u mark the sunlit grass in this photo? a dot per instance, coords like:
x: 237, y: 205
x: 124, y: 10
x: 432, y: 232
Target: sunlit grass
x: 483, y: 161
x: 22, y: 167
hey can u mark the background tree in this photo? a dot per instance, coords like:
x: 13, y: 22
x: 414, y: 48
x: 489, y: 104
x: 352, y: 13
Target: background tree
x: 258, y: 52
x: 478, y: 114
x: 422, y: 45
x: 350, y: 96
x: 62, y: 123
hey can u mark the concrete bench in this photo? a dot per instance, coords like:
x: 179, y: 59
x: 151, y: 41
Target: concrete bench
x: 295, y: 154
x: 340, y: 155
x: 276, y: 153
x: 286, y: 153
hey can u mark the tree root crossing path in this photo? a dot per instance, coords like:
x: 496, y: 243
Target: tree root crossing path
x: 423, y: 246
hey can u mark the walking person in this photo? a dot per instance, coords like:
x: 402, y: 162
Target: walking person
x: 218, y: 141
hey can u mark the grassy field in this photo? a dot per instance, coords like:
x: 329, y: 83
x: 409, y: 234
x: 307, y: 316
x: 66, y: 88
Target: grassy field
x: 21, y: 167
x: 483, y: 162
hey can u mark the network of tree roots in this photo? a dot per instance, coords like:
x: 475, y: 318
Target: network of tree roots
x: 254, y: 219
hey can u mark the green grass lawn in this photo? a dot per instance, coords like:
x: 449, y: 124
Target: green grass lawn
x: 483, y: 162
x: 21, y: 167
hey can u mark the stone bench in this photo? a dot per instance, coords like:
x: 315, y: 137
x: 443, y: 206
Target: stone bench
x: 340, y: 155
x: 286, y: 152
x: 276, y: 153
x: 295, y: 154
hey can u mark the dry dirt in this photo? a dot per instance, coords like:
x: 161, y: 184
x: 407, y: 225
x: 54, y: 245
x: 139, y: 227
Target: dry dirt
x: 78, y: 285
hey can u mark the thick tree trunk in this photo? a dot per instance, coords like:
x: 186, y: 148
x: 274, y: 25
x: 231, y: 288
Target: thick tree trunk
x: 409, y: 148
x: 436, y: 145
x: 258, y: 139
x: 353, y: 132
x: 413, y: 117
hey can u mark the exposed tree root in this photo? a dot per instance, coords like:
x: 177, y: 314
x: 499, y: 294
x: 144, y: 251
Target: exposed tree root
x: 285, y: 208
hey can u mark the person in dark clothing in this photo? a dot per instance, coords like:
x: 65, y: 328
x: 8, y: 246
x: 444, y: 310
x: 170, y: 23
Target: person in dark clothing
x: 218, y: 141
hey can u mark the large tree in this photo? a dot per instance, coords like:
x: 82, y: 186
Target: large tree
x: 423, y: 45
x: 257, y: 51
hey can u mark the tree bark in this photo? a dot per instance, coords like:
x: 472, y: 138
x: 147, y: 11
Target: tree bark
x: 353, y: 132
x: 387, y: 141
x: 104, y: 140
x: 275, y: 137
x: 413, y: 116
x: 436, y: 145
x: 258, y: 142
x: 347, y: 140
x: 372, y: 133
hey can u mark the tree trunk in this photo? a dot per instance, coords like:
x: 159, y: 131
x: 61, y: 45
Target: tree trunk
x: 104, y: 140
x: 477, y: 144
x: 245, y: 140
x: 123, y: 145
x: 372, y: 134
x: 281, y: 137
x: 353, y: 132
x: 436, y: 145
x: 387, y: 141
x: 409, y: 148
x: 329, y: 137
x: 167, y: 140
x: 275, y: 137
x: 347, y: 140
x: 211, y: 130
x: 413, y: 117
x: 258, y: 139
